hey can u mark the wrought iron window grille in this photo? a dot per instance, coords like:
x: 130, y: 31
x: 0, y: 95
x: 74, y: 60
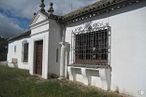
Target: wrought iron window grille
x: 90, y: 44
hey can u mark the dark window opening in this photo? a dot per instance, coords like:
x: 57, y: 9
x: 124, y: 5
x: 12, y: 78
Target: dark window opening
x: 25, y: 55
x: 57, y: 55
x: 15, y: 48
x: 92, y: 47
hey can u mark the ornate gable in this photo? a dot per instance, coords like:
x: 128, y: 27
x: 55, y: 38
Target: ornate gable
x: 39, y: 17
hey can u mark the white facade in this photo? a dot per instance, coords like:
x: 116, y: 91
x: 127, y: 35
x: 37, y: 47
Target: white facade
x: 126, y: 58
x: 48, y: 31
x: 127, y: 51
x: 15, y: 50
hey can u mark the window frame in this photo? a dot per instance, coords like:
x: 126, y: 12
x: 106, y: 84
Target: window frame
x: 25, y: 52
x: 91, y: 61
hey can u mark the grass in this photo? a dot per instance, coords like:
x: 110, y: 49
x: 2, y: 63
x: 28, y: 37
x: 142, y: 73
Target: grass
x: 18, y: 83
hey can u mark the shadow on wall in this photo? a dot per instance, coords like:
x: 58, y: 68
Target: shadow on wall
x: 100, y: 78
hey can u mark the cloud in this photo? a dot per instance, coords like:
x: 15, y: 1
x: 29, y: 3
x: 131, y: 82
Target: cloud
x: 15, y: 15
x: 9, y: 28
x: 26, y: 8
x: 23, y: 8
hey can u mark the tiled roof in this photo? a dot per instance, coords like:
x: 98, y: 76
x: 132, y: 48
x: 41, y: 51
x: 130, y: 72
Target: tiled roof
x: 88, y: 8
x: 98, y: 8
x: 23, y: 35
x: 90, y: 11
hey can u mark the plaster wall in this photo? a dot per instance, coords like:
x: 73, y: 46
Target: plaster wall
x: 18, y: 54
x: 54, y: 44
x: 128, y: 51
x: 50, y: 34
x: 128, y: 47
x: 39, y: 31
x: 40, y: 28
x: 90, y: 76
x: 42, y: 36
x: 40, y: 17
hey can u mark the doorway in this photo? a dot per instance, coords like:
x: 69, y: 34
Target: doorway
x: 38, y: 57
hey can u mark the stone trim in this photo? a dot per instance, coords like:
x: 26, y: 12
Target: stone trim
x: 44, y: 22
x: 89, y: 66
x: 40, y: 32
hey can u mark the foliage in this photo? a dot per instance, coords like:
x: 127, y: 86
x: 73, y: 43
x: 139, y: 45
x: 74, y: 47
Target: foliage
x: 3, y: 49
x: 18, y: 83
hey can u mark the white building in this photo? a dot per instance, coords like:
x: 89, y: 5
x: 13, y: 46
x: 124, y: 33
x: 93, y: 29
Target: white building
x: 102, y: 45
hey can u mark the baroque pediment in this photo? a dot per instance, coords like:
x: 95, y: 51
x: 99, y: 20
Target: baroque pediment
x: 39, y: 17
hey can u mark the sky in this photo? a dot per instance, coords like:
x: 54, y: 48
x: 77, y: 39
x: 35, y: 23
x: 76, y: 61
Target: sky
x: 16, y: 15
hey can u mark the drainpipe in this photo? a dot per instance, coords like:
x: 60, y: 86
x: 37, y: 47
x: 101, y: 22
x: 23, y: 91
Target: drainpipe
x: 62, y: 55
x: 62, y: 60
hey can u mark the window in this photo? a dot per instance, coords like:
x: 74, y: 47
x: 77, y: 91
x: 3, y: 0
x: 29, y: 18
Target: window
x: 25, y: 52
x: 57, y: 55
x: 91, y: 47
x: 15, y: 48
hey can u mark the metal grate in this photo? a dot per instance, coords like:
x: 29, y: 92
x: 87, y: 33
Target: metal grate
x: 91, y: 47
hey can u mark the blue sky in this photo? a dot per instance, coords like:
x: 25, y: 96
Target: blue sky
x: 16, y: 15
x: 23, y: 22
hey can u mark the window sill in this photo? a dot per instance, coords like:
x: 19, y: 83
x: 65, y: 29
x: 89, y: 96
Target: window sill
x: 25, y: 62
x: 90, y: 66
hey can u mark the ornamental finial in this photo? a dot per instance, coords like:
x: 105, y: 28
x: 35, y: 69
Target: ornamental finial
x: 42, y: 6
x: 51, y: 9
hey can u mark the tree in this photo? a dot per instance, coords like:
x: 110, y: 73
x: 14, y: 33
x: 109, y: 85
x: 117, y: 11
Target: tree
x: 3, y: 49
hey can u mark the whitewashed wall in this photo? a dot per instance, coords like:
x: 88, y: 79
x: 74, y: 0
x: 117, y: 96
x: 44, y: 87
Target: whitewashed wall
x: 99, y: 77
x: 18, y: 54
x: 54, y: 39
x: 39, y: 31
x: 128, y: 38
x: 128, y: 47
x: 50, y: 32
x: 128, y: 51
x: 42, y: 36
x: 39, y: 23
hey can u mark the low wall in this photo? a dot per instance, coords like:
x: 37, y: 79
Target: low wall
x: 3, y: 63
x: 99, y: 77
